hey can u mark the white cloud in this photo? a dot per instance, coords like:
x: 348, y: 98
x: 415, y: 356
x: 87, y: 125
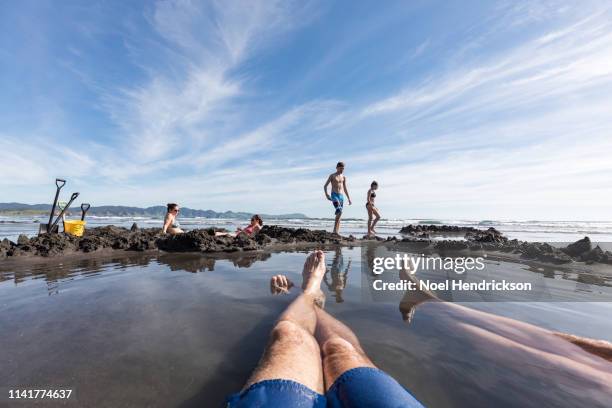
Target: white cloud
x: 38, y: 160
x: 171, y: 112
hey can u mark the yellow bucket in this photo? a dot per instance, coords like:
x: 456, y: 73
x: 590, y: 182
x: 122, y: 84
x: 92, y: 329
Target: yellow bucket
x: 74, y: 227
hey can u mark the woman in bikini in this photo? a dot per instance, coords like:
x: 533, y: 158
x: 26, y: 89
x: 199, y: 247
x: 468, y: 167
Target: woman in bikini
x: 171, y: 225
x: 252, y: 229
x: 373, y: 214
x: 254, y: 226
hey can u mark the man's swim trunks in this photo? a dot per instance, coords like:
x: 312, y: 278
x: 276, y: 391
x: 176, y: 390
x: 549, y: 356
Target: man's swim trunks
x: 359, y: 387
x: 337, y: 201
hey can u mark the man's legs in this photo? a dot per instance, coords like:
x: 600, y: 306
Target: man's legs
x: 292, y: 352
x: 340, y: 347
x: 338, y: 202
x: 351, y: 379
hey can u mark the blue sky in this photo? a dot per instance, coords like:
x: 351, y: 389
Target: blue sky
x: 480, y: 110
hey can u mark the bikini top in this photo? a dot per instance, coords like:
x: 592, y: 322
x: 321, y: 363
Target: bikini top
x: 373, y: 194
x: 175, y: 223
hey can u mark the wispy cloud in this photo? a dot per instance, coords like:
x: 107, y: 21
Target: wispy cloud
x: 555, y: 64
x: 174, y: 106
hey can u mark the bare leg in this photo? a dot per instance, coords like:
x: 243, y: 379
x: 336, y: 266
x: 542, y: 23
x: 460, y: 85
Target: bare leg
x: 377, y: 215
x: 370, y: 220
x: 537, y: 351
x: 340, y: 348
x: 292, y: 352
x: 337, y: 223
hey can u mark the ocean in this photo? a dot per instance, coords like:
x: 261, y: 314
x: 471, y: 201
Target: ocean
x: 531, y: 230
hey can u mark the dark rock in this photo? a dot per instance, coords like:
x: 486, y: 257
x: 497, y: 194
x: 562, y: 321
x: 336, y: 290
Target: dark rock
x: 262, y: 239
x: 291, y: 235
x: 594, y: 255
x: 204, y: 240
x: 450, y: 245
x: 141, y: 239
x: 436, y: 229
x: 51, y: 244
x: 7, y: 248
x: 578, y: 248
x: 134, y: 227
x: 491, y: 235
x: 368, y: 238
x: 244, y: 241
x: 543, y: 252
x: 6, y: 243
x: 23, y: 240
x: 195, y: 240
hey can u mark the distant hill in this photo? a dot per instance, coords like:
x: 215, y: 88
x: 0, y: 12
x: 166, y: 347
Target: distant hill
x: 124, y: 211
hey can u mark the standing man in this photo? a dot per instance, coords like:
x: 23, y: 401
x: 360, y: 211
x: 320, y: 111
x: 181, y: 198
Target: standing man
x: 338, y: 189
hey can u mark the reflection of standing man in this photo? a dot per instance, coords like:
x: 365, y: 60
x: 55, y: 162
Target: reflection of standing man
x: 338, y: 189
x: 338, y: 277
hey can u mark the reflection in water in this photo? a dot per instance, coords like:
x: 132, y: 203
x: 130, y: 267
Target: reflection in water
x: 195, y: 262
x: 56, y: 271
x: 369, y: 253
x: 412, y: 298
x: 339, y: 275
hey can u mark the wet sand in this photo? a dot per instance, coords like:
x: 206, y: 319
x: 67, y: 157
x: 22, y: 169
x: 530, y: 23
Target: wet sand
x: 186, y: 329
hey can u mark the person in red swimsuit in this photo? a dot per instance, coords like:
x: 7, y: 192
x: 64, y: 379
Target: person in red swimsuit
x: 254, y: 226
x: 252, y: 229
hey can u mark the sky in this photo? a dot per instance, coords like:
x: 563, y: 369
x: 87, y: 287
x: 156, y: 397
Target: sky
x: 498, y: 110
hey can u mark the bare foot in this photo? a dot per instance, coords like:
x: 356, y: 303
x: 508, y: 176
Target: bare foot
x: 280, y: 284
x: 412, y: 298
x: 313, y: 272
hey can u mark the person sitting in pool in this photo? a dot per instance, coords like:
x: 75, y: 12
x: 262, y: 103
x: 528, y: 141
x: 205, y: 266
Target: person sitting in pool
x: 171, y: 225
x: 252, y: 229
x: 373, y: 214
x: 314, y: 360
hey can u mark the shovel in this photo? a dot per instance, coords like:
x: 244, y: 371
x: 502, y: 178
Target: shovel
x: 59, y: 217
x: 84, y: 209
x: 46, y: 228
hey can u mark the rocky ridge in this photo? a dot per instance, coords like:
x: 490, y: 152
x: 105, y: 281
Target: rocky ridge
x: 493, y: 240
x: 137, y: 239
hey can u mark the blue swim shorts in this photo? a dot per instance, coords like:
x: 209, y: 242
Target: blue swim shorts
x: 337, y: 201
x: 360, y: 387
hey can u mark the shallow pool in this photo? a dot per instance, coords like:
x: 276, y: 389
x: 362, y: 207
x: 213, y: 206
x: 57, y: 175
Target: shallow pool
x: 187, y: 329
